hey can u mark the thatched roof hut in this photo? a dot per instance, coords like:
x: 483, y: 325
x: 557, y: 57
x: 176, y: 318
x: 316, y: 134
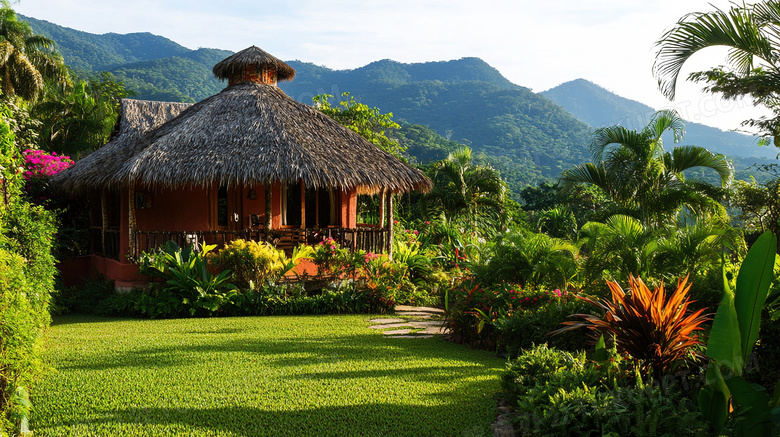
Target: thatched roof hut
x: 250, y: 133
x: 98, y: 170
x: 255, y: 134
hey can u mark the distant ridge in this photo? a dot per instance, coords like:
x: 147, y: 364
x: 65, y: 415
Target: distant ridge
x: 599, y: 107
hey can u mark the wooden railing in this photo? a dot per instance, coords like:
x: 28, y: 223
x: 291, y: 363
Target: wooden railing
x: 367, y: 238
x: 104, y: 242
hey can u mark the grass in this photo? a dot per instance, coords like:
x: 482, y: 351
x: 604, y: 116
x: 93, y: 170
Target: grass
x: 255, y: 376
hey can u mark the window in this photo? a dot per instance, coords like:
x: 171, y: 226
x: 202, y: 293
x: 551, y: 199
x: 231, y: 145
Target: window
x: 222, y: 207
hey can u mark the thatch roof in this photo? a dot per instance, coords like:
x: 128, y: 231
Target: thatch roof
x: 252, y: 56
x: 98, y: 170
x: 255, y: 134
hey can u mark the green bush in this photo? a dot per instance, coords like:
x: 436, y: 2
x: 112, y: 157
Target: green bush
x: 83, y: 299
x: 251, y: 261
x: 189, y: 287
x: 508, y: 318
x: 293, y: 300
x: 522, y: 329
x: 22, y: 322
x: 556, y: 393
x: 29, y: 230
x: 27, y: 273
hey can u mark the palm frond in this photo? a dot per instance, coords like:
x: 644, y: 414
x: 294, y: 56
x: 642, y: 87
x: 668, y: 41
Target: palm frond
x: 610, y: 135
x: 686, y: 157
x: 667, y: 119
x: 735, y: 28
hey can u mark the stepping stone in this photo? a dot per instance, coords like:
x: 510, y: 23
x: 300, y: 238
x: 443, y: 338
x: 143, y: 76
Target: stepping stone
x: 427, y: 323
x: 413, y: 313
x: 385, y: 321
x: 411, y: 336
x: 410, y: 324
x: 435, y: 330
x: 397, y: 332
x: 431, y: 310
x: 418, y: 309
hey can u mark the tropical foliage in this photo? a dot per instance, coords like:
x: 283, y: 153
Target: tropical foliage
x: 369, y: 122
x: 79, y: 118
x: 733, y: 335
x: 643, y: 180
x: 27, y: 60
x: 464, y: 193
x: 27, y: 273
x: 557, y: 393
x: 658, y: 332
x: 749, y: 31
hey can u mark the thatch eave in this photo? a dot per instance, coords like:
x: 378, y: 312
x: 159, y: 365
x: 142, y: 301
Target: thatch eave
x: 100, y: 169
x: 254, y: 134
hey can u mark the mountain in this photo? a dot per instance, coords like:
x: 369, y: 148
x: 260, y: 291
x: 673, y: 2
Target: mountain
x: 154, y: 67
x: 524, y: 135
x: 90, y: 52
x: 599, y: 107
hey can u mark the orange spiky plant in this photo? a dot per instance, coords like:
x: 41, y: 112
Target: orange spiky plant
x: 646, y: 325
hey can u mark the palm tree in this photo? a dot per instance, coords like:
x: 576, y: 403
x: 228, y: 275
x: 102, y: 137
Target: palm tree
x: 558, y: 222
x: 642, y: 179
x: 26, y: 59
x: 79, y: 119
x: 693, y: 246
x: 616, y: 249
x: 533, y: 259
x: 471, y: 194
x: 750, y: 32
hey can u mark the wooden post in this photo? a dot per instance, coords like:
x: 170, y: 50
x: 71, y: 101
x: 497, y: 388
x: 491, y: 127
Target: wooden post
x: 382, y: 209
x: 303, y: 205
x: 268, y: 209
x: 132, y: 223
x: 390, y: 226
x: 104, y: 222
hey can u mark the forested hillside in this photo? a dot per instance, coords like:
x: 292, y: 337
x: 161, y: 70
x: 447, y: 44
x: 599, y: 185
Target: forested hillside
x: 523, y: 134
x: 154, y: 67
x: 599, y: 107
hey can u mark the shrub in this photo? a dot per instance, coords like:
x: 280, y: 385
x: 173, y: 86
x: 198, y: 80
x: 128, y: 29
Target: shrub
x: 409, y: 279
x: 83, y: 299
x: 522, y: 329
x: 29, y: 231
x: 332, y: 260
x: 507, y: 317
x: 251, y: 261
x: 27, y: 274
x: 190, y: 287
x: 656, y: 331
x: 22, y: 321
x: 556, y: 393
x: 293, y: 300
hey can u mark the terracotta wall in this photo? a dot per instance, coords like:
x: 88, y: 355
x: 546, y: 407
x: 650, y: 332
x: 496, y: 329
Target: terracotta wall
x: 174, y: 210
x: 349, y: 208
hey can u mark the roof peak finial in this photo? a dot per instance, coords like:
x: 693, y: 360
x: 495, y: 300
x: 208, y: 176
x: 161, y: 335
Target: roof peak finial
x: 253, y: 64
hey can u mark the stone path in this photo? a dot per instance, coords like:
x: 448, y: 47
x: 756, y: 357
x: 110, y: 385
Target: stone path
x: 412, y: 322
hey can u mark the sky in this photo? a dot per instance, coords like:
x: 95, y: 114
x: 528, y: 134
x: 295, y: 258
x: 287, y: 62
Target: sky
x: 536, y: 44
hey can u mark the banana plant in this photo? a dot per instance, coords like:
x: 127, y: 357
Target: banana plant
x: 733, y: 335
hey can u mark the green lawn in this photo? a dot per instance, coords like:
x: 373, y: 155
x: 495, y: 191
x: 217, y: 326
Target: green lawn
x: 252, y: 376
